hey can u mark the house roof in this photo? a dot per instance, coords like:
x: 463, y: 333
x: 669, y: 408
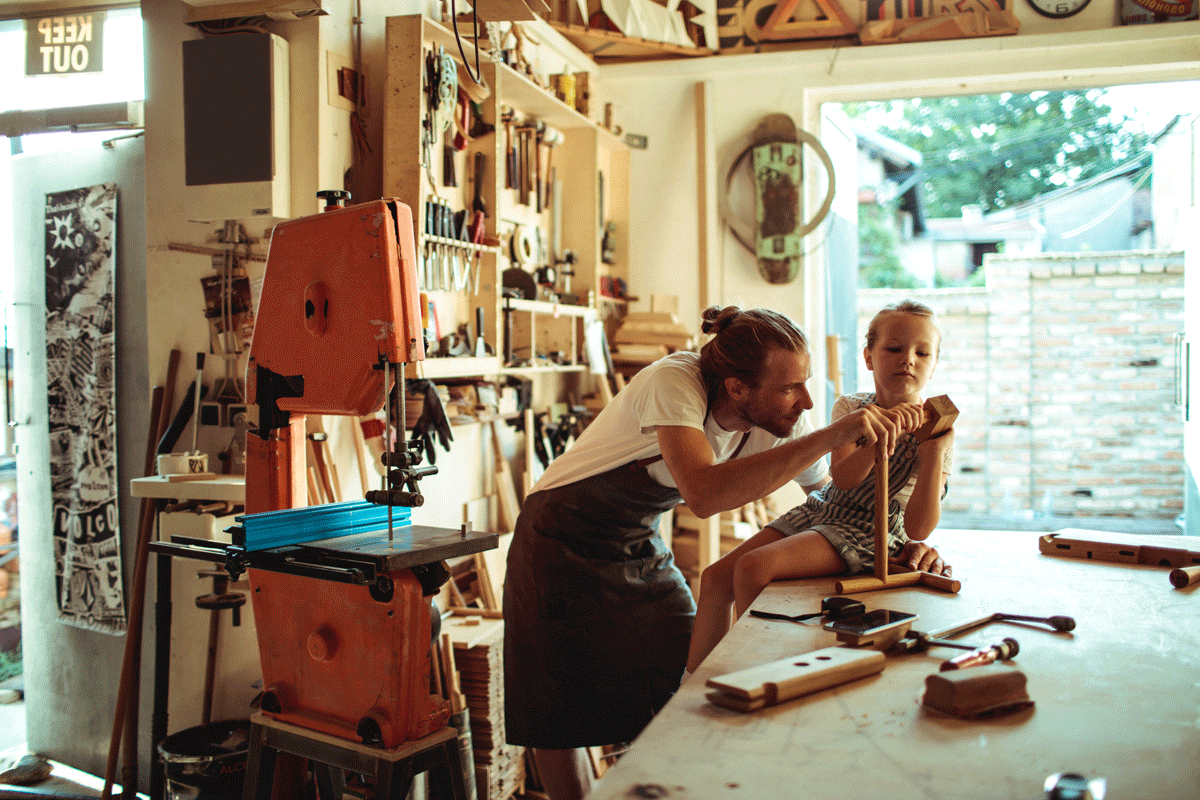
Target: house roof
x: 986, y: 229
x: 887, y: 148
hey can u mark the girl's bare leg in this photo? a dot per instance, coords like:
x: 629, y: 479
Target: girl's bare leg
x: 807, y: 554
x: 715, y: 602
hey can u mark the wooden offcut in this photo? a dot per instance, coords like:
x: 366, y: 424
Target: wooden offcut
x: 506, y: 491
x: 779, y: 681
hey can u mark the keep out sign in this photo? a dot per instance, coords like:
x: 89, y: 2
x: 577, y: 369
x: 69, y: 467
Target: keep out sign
x: 64, y: 45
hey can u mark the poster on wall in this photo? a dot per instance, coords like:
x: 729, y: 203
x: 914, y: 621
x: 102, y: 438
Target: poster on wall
x: 80, y: 267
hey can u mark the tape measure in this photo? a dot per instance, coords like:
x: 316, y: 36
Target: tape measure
x: 523, y: 248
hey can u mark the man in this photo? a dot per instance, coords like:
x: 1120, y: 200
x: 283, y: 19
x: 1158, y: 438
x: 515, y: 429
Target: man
x: 597, y: 616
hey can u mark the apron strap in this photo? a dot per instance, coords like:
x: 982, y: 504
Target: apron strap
x: 642, y: 463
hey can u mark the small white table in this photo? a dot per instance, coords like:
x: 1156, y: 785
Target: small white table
x: 231, y: 488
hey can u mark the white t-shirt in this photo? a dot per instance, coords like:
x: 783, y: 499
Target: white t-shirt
x: 668, y: 392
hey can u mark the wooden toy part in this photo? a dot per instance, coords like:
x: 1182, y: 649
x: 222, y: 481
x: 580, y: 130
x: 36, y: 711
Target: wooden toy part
x: 897, y: 580
x: 940, y: 415
x: 1184, y: 576
x: 779, y: 681
x: 1121, y: 548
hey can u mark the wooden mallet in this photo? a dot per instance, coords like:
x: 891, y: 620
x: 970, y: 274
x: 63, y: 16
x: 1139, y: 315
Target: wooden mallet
x: 939, y: 414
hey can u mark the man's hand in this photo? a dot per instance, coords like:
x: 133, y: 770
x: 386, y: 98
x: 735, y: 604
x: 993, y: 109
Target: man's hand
x: 921, y: 557
x: 872, y: 423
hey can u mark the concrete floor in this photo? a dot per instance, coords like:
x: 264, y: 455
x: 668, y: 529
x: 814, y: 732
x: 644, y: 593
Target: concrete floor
x: 63, y: 779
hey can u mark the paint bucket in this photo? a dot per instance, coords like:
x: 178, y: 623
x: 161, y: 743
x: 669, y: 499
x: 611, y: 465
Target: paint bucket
x: 207, y: 762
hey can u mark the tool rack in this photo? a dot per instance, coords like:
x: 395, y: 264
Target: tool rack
x: 592, y: 170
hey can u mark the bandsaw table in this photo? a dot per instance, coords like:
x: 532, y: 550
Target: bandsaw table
x: 1118, y: 698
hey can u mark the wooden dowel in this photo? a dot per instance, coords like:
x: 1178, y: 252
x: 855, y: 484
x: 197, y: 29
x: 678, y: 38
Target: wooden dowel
x: 896, y: 581
x: 881, y: 512
x: 869, y: 584
x: 485, y: 613
x: 946, y: 584
x: 1184, y: 576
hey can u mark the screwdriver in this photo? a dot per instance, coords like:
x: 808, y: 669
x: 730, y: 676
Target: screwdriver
x: 984, y: 655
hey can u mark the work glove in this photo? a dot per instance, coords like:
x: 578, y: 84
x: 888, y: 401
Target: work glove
x: 432, y: 420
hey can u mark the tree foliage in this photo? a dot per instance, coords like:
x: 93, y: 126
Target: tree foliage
x: 996, y: 151
x: 879, y: 264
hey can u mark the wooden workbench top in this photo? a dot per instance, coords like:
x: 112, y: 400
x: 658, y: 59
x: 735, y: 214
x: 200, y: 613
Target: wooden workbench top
x: 1118, y: 698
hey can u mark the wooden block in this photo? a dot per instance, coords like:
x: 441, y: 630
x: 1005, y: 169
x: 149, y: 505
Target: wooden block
x: 788, y: 678
x: 940, y: 415
x: 984, y: 691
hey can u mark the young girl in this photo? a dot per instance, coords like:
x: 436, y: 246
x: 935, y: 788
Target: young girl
x: 832, y: 532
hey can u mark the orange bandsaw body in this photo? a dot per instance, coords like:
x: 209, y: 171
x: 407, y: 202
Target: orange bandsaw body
x: 339, y: 298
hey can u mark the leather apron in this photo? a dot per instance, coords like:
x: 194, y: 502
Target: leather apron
x: 597, y: 617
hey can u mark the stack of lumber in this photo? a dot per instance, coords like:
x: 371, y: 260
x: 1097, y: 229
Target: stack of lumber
x: 479, y: 656
x: 646, y: 336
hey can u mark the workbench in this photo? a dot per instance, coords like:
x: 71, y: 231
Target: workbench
x: 1118, y: 698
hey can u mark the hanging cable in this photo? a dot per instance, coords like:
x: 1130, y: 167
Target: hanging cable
x: 478, y: 76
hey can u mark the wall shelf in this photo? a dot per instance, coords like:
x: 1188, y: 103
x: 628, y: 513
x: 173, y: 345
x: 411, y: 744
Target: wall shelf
x: 552, y: 309
x: 460, y: 367
x: 547, y: 370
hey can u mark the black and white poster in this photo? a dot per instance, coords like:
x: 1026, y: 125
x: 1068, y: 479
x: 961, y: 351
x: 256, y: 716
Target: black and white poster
x: 80, y: 268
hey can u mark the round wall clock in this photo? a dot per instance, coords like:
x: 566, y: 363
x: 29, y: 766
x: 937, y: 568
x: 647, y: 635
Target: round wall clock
x: 1058, y: 9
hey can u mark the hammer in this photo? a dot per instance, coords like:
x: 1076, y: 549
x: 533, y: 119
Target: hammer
x: 551, y: 137
x: 939, y: 415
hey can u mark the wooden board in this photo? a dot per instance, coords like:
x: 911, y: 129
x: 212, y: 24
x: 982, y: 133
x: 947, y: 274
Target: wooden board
x: 794, y: 676
x: 506, y: 490
x: 468, y: 632
x: 1122, y: 548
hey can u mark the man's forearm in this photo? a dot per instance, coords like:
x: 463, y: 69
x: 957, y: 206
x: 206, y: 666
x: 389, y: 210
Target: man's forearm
x: 731, y: 484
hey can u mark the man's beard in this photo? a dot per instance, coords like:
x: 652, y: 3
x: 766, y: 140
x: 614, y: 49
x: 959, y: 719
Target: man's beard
x: 778, y: 427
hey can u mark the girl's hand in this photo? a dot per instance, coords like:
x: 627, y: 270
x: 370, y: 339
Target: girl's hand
x: 922, y: 557
x: 910, y: 415
x: 937, y: 446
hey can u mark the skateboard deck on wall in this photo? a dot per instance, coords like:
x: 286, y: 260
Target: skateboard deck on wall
x: 777, y: 171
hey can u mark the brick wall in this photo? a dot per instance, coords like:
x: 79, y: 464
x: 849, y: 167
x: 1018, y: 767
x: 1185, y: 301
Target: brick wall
x: 1063, y: 370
